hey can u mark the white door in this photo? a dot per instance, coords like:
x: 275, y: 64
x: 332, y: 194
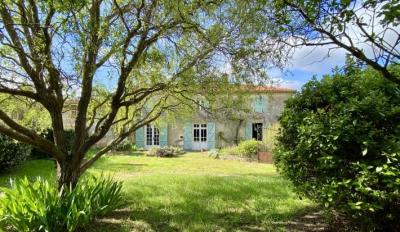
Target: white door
x: 152, y: 136
x: 199, y: 137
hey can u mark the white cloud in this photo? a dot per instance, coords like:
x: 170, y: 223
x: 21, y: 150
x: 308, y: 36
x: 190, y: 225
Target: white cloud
x: 317, y: 60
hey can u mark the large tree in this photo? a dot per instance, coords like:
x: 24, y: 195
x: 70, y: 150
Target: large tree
x: 366, y: 29
x: 150, y: 54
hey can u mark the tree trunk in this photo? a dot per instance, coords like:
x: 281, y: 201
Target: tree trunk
x: 67, y: 174
x: 237, y: 131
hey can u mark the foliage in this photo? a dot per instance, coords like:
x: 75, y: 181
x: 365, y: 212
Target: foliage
x: 27, y: 113
x: 361, y: 28
x: 339, y: 145
x: 125, y: 146
x: 48, y: 135
x: 214, y: 153
x: 12, y: 153
x: 248, y: 148
x: 170, y: 151
x: 39, y: 206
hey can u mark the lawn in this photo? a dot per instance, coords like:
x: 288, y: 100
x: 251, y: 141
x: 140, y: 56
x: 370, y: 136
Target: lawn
x: 190, y: 193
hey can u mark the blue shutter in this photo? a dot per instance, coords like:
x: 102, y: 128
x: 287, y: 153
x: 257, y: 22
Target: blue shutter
x: 248, y: 132
x: 187, y: 136
x: 164, y: 136
x: 139, y: 137
x: 259, y: 104
x: 210, y: 135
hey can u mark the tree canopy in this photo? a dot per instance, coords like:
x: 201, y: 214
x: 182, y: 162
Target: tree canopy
x: 149, y: 54
x: 367, y: 29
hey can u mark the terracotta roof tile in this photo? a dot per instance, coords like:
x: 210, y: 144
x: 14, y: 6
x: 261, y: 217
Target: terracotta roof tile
x: 270, y: 89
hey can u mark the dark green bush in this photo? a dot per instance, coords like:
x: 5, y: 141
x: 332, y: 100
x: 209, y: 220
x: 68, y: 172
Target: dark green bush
x: 339, y: 145
x: 12, y: 152
x: 48, y: 134
x: 38, y: 206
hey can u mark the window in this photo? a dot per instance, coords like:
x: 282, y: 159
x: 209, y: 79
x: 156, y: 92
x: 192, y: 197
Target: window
x: 152, y: 136
x: 200, y: 132
x: 149, y: 135
x: 259, y: 104
x: 257, y: 131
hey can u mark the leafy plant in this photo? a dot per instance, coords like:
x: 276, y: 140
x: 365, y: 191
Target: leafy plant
x: 339, y: 145
x: 248, y: 148
x: 39, y: 206
x: 12, y: 152
x: 125, y: 146
x: 165, y: 151
x: 214, y: 153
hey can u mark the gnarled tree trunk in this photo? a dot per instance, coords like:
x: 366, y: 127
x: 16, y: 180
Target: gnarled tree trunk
x: 68, y: 173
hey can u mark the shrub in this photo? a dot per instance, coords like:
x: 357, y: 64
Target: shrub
x: 48, y: 134
x: 38, y: 206
x: 125, y: 146
x: 339, y: 145
x: 214, y: 153
x: 248, y: 148
x: 12, y: 153
x: 165, y: 151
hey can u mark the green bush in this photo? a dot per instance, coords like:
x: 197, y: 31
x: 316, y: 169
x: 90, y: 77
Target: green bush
x: 38, y: 206
x: 165, y: 151
x: 125, y: 146
x: 48, y: 134
x: 214, y: 153
x: 12, y: 153
x: 248, y: 148
x: 339, y: 145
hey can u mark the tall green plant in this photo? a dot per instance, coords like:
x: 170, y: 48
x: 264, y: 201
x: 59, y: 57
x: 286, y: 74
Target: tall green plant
x: 39, y: 206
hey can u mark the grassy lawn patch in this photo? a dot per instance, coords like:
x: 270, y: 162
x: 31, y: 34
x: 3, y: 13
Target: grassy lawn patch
x: 31, y: 169
x: 190, y: 193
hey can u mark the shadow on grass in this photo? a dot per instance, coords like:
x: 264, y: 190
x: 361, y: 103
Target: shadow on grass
x: 214, y: 204
x: 32, y: 169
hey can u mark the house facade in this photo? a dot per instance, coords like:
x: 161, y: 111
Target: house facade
x: 202, y: 132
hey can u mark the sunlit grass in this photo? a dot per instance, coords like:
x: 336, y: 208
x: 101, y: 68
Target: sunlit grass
x: 191, y: 193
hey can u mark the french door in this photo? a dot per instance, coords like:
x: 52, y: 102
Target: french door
x: 199, y: 136
x: 152, y: 136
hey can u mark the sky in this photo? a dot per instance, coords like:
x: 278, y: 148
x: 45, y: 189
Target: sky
x: 307, y: 62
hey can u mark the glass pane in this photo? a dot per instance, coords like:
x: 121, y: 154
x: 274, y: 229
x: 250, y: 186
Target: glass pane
x: 196, y: 135
x: 156, y: 136
x: 149, y: 140
x: 203, y: 135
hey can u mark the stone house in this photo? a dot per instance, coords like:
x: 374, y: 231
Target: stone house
x: 204, y: 133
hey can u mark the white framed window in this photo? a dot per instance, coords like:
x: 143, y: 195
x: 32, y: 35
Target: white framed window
x: 152, y: 136
x: 199, y: 132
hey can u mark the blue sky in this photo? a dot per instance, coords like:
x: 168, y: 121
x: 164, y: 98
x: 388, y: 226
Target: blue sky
x: 307, y: 62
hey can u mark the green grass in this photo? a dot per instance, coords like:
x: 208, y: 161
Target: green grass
x: 31, y: 169
x: 191, y: 193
